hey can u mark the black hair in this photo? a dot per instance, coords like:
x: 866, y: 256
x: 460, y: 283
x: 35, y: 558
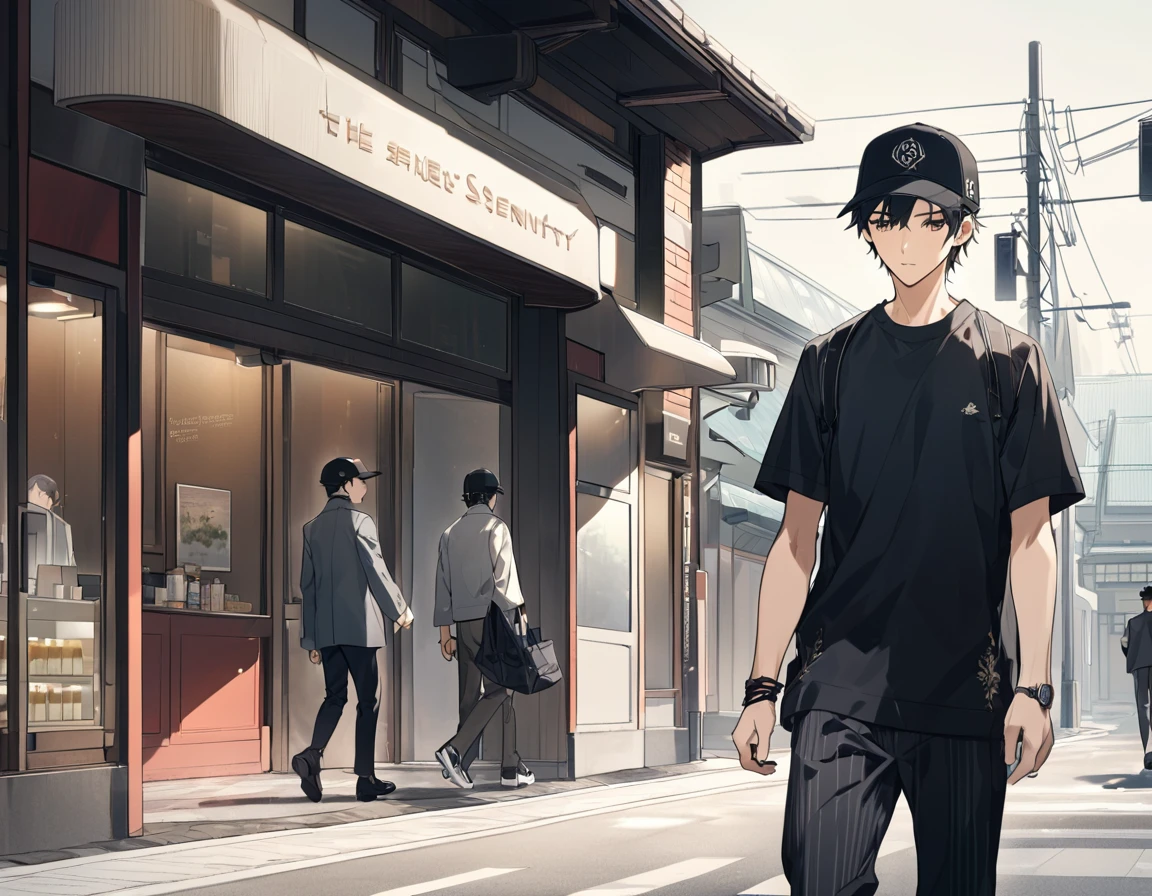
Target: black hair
x: 473, y: 498
x: 47, y: 485
x: 333, y: 490
x: 896, y: 209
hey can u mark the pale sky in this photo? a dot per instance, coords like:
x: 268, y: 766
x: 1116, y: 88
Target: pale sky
x: 834, y: 58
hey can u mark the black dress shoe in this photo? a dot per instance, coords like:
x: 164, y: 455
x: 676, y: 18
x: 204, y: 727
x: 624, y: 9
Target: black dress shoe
x: 307, y: 766
x: 1148, y: 761
x: 368, y: 789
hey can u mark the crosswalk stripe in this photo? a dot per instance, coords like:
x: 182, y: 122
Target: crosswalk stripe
x: 778, y: 886
x: 444, y: 883
x: 659, y: 877
x: 1078, y: 862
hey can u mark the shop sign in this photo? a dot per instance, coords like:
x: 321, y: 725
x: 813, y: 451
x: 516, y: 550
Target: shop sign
x: 217, y: 56
x: 430, y: 171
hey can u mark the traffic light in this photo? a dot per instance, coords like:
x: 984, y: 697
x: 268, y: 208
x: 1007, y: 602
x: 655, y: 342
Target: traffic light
x: 1146, y: 160
x: 1006, y: 267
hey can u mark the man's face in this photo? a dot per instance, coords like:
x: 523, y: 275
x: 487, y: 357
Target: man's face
x: 914, y: 251
x: 356, y: 489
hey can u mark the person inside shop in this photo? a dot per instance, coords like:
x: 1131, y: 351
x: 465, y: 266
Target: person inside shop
x: 1137, y: 647
x: 52, y: 536
x: 476, y: 569
x: 347, y: 592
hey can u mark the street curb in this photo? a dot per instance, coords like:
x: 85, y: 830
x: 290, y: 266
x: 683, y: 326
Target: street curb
x: 49, y: 868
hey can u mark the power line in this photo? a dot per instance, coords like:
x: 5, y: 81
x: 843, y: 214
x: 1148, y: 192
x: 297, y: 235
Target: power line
x: 1095, y: 199
x: 1109, y: 153
x: 917, y: 111
x: 765, y: 208
x: 1109, y: 128
x: 854, y: 167
x: 1112, y: 106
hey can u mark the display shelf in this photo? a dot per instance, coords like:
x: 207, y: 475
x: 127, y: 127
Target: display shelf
x: 53, y: 609
x: 86, y: 679
x: 152, y: 608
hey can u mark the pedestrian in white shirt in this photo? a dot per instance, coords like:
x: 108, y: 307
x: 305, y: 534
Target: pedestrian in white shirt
x: 477, y: 568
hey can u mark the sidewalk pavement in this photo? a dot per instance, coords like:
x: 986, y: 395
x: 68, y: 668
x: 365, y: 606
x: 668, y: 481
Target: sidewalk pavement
x: 149, y: 871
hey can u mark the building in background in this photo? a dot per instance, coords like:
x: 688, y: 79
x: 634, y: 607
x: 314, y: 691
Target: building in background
x: 1116, y: 521
x: 244, y: 239
x: 753, y: 299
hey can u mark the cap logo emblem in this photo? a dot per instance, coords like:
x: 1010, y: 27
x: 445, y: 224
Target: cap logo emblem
x: 970, y: 188
x: 908, y: 154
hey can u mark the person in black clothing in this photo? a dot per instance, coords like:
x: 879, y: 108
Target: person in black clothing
x: 1137, y: 647
x: 900, y: 683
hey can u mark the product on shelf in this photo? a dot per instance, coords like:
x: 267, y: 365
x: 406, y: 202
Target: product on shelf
x: 161, y: 597
x: 77, y: 702
x: 55, y: 703
x: 37, y: 703
x: 76, y: 657
x: 37, y: 657
x: 237, y: 606
x: 55, y: 652
x: 77, y: 592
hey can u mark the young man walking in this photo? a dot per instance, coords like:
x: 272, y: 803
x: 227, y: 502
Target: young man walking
x: 348, y: 593
x: 477, y: 568
x: 933, y: 500
x: 1137, y: 647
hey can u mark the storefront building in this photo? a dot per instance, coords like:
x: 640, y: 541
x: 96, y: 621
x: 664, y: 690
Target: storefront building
x: 752, y: 299
x: 243, y: 239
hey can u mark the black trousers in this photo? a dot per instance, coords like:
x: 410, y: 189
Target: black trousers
x: 843, y: 785
x: 361, y: 663
x: 1143, y: 679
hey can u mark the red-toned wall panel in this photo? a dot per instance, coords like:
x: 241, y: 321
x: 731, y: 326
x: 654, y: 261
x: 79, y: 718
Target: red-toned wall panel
x: 72, y: 212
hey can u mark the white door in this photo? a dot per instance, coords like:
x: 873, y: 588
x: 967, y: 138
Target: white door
x: 607, y: 547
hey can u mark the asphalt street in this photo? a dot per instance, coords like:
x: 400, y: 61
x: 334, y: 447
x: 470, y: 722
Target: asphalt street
x: 1084, y: 825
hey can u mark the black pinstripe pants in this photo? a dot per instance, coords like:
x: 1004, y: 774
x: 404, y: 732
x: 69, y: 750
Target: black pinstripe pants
x: 843, y: 785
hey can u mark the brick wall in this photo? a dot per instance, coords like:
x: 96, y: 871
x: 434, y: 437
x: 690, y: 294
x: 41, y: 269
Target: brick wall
x: 678, y: 256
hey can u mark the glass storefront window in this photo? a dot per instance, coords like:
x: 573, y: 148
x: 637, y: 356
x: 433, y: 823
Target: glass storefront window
x: 345, y: 29
x: 196, y: 233
x: 452, y: 318
x: 603, y: 444
x: 63, y: 517
x: 603, y: 563
x: 336, y: 278
x: 207, y: 512
x: 277, y: 10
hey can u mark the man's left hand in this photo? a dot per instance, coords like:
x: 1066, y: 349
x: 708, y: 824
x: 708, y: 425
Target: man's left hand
x: 1028, y: 718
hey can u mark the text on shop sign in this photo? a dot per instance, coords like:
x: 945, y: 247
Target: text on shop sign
x: 432, y: 172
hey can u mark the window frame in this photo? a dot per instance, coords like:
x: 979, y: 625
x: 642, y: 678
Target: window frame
x: 482, y: 288
x: 380, y: 49
x: 395, y: 259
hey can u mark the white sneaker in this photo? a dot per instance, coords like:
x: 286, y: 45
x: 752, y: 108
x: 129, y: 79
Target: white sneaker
x: 518, y: 777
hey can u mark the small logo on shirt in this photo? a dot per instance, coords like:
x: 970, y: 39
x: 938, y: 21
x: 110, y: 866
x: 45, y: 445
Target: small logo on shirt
x: 970, y: 410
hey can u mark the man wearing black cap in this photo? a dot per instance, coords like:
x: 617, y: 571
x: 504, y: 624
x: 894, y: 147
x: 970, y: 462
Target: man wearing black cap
x: 933, y: 498
x: 347, y: 592
x: 1137, y: 647
x: 477, y: 568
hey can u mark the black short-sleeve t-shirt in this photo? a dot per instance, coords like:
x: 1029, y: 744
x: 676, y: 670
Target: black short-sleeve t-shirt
x: 902, y: 624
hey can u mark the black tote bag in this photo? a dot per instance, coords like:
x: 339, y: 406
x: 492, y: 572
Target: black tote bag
x: 521, y: 663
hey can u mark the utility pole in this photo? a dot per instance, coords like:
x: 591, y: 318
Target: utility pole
x: 1033, y: 174
x: 1069, y: 685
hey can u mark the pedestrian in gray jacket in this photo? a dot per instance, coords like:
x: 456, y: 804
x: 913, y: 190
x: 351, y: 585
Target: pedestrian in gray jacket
x: 348, y: 593
x: 475, y: 569
x: 1137, y: 647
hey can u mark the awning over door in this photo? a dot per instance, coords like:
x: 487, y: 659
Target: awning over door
x: 641, y: 353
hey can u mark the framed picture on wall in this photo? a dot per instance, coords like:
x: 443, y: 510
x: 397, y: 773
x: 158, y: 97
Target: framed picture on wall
x: 204, y: 527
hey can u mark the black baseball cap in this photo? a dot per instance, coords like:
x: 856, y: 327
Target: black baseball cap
x: 1146, y: 592
x: 343, y: 469
x: 481, y: 482
x: 922, y: 161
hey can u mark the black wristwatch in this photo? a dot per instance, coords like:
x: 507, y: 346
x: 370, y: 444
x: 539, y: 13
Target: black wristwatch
x: 1042, y: 694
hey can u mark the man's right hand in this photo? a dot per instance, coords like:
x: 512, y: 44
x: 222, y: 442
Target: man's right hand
x: 448, y: 648
x: 752, y: 734
x: 405, y: 620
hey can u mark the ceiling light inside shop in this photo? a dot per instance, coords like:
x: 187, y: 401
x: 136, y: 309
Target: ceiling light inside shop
x: 49, y: 301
